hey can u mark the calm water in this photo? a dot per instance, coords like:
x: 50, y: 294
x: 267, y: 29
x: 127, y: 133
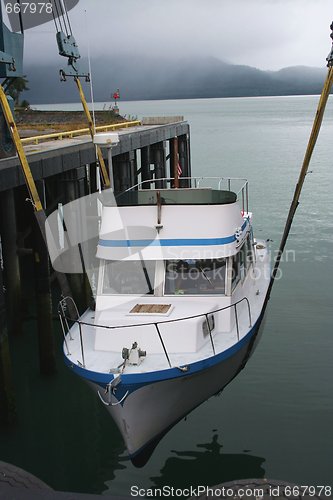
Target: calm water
x: 275, y: 419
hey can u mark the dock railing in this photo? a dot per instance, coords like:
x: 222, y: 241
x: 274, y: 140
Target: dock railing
x: 70, y: 134
x: 66, y: 321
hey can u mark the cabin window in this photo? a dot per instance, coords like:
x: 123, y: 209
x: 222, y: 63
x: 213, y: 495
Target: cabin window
x: 236, y: 270
x: 129, y: 277
x: 241, y: 262
x: 248, y: 251
x: 195, y: 277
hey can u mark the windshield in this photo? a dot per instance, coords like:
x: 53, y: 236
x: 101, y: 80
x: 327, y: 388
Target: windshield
x: 128, y: 277
x: 195, y: 277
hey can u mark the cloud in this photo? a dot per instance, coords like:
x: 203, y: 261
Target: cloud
x: 268, y: 34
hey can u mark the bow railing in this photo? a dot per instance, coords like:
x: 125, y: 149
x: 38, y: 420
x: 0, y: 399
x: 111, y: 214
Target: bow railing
x: 67, y: 330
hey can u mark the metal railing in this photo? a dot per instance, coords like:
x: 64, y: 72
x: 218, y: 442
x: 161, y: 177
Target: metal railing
x: 222, y: 183
x: 64, y: 321
x: 73, y: 133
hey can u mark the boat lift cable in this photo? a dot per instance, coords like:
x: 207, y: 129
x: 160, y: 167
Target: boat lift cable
x: 68, y: 48
x: 67, y: 17
x: 61, y: 15
x: 90, y: 73
x: 104, y: 172
x: 62, y: 10
x: 54, y: 2
x: 20, y: 16
x: 305, y: 165
x: 54, y: 17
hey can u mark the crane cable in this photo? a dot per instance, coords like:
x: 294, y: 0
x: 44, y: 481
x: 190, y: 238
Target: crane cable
x: 59, y: 10
x: 54, y: 17
x: 67, y: 16
x: 60, y: 13
x: 304, y: 169
x: 91, y: 76
x: 20, y: 16
x: 56, y: 14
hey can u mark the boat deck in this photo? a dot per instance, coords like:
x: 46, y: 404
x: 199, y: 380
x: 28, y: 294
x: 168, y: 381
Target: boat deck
x: 109, y: 362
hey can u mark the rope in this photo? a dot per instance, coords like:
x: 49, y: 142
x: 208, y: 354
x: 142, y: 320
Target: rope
x: 307, y: 158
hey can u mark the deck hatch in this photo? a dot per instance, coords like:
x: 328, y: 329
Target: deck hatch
x: 150, y: 309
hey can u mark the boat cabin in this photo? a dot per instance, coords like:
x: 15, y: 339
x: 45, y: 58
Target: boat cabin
x: 170, y: 253
x: 172, y: 242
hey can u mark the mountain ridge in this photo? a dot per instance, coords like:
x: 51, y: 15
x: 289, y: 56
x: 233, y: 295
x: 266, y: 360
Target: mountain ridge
x: 186, y: 78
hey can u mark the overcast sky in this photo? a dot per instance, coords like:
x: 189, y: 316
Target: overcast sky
x: 267, y: 34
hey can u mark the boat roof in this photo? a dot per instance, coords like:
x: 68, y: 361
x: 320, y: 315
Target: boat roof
x: 180, y: 196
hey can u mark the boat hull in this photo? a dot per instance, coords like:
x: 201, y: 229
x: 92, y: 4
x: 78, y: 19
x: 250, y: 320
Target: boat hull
x: 149, y: 411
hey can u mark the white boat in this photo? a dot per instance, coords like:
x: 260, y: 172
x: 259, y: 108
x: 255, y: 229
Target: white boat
x: 181, y: 288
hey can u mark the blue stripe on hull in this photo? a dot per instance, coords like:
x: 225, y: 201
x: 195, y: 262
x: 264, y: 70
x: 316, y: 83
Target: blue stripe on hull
x: 170, y: 242
x: 132, y: 382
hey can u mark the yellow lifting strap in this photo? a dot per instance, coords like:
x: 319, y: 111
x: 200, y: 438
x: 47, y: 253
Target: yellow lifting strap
x: 104, y: 172
x: 29, y: 180
x: 30, y: 183
x: 304, y: 170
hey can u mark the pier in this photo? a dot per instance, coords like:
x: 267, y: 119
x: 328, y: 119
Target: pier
x: 64, y: 170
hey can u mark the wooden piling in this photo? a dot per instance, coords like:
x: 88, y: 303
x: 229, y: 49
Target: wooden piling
x: 145, y: 166
x: 12, y: 278
x: 184, y: 159
x: 173, y: 147
x: 47, y: 359
x: 134, y: 167
x: 122, y: 171
x: 7, y: 399
x: 91, y: 178
x: 159, y: 160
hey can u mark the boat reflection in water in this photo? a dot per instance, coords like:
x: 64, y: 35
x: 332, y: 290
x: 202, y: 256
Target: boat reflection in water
x: 209, y: 466
x: 205, y: 465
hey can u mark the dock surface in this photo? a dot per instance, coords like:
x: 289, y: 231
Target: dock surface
x: 54, y: 157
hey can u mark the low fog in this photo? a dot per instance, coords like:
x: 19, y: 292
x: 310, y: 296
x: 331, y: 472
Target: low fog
x: 265, y: 34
